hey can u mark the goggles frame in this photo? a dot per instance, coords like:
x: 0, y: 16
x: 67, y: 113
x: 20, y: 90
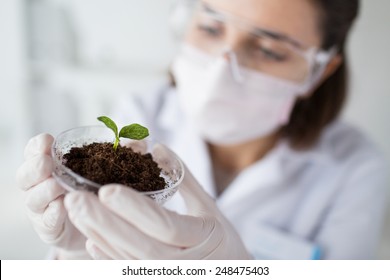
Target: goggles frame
x: 316, y: 58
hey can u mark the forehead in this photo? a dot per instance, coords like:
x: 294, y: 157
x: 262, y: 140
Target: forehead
x: 297, y: 19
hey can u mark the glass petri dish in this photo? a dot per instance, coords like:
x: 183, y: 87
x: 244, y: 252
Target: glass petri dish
x: 172, y: 173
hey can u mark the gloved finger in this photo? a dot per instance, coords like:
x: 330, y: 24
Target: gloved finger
x: 39, y: 196
x: 40, y: 144
x: 164, y: 157
x: 155, y: 221
x: 95, y: 252
x: 197, y: 200
x: 55, y: 214
x: 34, y: 170
x: 138, y: 146
x: 114, y: 236
x: 50, y: 224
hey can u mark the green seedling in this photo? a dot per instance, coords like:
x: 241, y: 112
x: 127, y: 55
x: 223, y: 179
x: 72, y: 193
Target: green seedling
x: 133, y: 131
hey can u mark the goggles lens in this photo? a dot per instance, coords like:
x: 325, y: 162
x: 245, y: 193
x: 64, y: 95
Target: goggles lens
x: 258, y: 49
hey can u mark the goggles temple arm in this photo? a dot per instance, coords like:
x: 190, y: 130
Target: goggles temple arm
x: 319, y: 61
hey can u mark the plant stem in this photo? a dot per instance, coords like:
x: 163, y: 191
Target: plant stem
x: 116, y: 143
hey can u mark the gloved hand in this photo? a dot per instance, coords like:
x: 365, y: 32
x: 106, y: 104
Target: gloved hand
x: 44, y: 200
x: 124, y: 224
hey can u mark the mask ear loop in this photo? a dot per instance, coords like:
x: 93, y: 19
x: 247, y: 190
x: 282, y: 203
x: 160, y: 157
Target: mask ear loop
x: 234, y: 66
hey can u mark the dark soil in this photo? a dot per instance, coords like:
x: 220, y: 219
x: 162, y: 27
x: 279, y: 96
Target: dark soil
x: 99, y: 163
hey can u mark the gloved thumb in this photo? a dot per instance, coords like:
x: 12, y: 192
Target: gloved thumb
x: 197, y: 200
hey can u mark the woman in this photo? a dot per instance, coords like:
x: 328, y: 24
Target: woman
x: 252, y: 110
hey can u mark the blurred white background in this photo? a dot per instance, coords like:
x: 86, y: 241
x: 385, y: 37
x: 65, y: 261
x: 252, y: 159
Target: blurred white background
x: 62, y: 62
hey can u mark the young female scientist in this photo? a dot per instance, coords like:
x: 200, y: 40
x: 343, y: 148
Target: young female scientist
x: 252, y: 110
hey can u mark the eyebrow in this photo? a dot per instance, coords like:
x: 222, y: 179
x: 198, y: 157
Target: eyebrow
x: 256, y: 31
x: 277, y: 36
x: 207, y: 8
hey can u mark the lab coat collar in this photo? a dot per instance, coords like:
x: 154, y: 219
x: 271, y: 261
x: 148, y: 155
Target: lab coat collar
x: 263, y: 175
x: 271, y: 172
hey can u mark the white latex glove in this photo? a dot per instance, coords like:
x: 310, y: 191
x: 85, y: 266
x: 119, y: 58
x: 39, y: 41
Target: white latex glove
x: 121, y: 223
x: 44, y: 200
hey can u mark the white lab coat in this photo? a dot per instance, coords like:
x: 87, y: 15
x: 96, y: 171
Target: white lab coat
x: 329, y: 200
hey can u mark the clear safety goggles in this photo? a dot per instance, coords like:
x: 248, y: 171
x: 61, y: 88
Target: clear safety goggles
x: 258, y: 49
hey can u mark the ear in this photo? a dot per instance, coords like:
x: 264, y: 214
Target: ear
x: 332, y: 66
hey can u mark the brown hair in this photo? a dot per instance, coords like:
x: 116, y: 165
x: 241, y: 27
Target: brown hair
x: 311, y: 115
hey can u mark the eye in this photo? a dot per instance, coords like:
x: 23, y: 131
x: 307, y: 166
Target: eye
x: 272, y: 55
x: 210, y: 30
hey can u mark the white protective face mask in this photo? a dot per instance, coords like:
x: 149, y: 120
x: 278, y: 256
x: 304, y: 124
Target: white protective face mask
x: 225, y: 111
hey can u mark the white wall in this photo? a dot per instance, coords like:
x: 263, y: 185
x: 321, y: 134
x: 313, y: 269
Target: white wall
x: 17, y: 239
x: 116, y: 46
x: 370, y: 65
x: 369, y: 103
x: 87, y: 53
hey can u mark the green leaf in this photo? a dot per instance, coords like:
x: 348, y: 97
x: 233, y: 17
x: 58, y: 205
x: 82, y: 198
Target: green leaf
x: 110, y: 124
x: 134, y: 131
